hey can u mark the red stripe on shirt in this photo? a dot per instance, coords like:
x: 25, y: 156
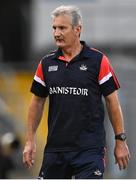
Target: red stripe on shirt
x: 105, y: 68
x: 39, y: 72
x: 115, y: 78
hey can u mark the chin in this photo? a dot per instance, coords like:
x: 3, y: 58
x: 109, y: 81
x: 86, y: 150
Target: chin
x: 60, y: 45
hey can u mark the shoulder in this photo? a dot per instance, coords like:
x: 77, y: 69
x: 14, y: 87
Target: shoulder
x: 94, y: 55
x: 96, y: 51
x: 98, y: 55
x: 92, y: 52
x: 49, y: 56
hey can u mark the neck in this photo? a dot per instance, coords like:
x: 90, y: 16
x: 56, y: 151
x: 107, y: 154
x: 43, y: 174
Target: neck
x: 70, y: 52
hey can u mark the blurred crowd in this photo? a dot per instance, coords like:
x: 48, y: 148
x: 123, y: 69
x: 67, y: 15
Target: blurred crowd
x: 9, y: 146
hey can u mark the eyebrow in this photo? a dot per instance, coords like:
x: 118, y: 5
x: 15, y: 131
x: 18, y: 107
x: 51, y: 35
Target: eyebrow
x: 61, y: 26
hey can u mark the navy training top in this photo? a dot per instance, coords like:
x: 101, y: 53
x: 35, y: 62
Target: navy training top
x: 75, y: 90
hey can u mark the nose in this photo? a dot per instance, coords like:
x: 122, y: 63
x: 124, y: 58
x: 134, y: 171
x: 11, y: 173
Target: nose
x: 57, y: 32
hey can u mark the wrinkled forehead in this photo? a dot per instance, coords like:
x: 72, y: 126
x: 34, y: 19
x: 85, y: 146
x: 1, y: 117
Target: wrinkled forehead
x: 63, y: 18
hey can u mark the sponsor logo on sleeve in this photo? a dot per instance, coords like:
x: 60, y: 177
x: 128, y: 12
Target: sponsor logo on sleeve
x: 52, y: 68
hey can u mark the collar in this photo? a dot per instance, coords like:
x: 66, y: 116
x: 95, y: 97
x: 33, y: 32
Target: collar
x: 86, y: 52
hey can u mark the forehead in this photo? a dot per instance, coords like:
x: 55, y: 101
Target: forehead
x: 62, y: 19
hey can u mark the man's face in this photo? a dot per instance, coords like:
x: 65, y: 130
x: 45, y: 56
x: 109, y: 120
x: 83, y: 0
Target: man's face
x: 65, y: 34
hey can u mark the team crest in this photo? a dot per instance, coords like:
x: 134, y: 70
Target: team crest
x: 98, y: 172
x: 83, y: 67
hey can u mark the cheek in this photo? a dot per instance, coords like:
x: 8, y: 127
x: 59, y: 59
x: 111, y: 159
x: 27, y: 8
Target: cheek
x: 70, y: 36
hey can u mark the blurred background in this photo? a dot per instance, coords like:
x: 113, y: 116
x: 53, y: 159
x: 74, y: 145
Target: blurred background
x: 25, y: 36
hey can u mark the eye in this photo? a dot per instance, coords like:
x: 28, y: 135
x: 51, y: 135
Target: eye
x: 62, y: 28
x: 54, y: 27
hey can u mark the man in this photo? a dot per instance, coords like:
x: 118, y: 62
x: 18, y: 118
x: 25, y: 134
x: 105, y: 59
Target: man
x: 75, y: 77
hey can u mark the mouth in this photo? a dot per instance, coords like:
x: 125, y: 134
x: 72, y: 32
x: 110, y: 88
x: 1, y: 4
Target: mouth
x: 59, y: 40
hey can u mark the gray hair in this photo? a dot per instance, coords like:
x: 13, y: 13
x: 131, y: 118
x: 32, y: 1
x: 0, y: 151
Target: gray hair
x: 71, y: 11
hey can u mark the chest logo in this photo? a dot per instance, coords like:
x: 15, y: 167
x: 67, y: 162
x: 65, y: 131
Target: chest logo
x: 52, y: 68
x: 83, y: 67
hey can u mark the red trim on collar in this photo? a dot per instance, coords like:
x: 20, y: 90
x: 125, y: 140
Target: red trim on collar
x: 62, y: 58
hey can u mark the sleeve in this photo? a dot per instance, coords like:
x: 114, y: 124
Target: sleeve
x: 39, y: 87
x: 107, y: 79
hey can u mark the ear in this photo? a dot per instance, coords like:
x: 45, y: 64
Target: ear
x: 78, y: 30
